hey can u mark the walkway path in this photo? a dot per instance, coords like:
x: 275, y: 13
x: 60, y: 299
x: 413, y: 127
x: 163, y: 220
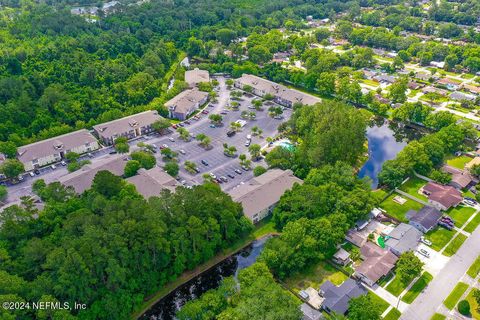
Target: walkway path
x: 403, y: 193
x: 388, y: 297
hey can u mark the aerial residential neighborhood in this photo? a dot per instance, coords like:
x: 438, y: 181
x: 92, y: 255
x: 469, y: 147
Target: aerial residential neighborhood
x: 240, y: 160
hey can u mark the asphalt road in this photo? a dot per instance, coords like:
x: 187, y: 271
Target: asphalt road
x: 219, y: 164
x: 426, y: 304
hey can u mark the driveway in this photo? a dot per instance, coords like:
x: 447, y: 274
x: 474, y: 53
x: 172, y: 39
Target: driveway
x: 432, y: 297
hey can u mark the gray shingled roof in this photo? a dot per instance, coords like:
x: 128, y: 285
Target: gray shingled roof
x: 151, y: 182
x: 337, y: 298
x: 427, y: 217
x: 126, y: 124
x: 403, y: 238
x: 186, y: 100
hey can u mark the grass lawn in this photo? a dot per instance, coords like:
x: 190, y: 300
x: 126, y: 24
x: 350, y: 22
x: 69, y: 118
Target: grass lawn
x: 265, y: 226
x: 397, y: 210
x: 412, y: 185
x: 383, y: 281
x: 458, y: 162
x: 455, y: 295
x: 314, y: 276
x: 455, y: 245
x: 438, y: 316
x: 372, y: 83
x: 474, y: 268
x: 413, y: 93
x: 472, y: 225
x: 393, y: 314
x: 396, y: 287
x: 417, y: 287
x: 439, y: 237
x: 473, y: 305
x: 382, y: 304
x: 460, y: 214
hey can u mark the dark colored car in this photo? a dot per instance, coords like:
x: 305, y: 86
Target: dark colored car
x: 36, y: 171
x: 205, y: 163
x: 231, y: 176
x: 230, y: 133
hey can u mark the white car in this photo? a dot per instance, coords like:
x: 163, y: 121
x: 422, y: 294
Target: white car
x: 164, y: 146
x: 53, y: 167
x: 63, y: 163
x: 424, y: 253
x: 425, y: 241
x: 32, y: 174
x: 182, y: 151
x: 171, y: 139
x: 213, y: 176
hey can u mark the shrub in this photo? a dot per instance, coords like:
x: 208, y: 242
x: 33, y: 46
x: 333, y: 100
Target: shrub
x: 464, y: 307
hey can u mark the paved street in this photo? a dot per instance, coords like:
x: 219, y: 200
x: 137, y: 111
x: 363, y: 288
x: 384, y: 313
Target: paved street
x: 219, y: 164
x: 432, y: 297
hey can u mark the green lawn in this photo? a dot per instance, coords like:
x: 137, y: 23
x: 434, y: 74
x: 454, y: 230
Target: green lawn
x: 455, y: 245
x: 412, y: 185
x: 455, y: 295
x: 372, y: 83
x: 473, y: 305
x: 383, y: 281
x: 397, y: 210
x: 314, y: 276
x: 458, y: 162
x: 473, y: 224
x: 417, y: 287
x: 265, y: 226
x: 393, y: 314
x: 396, y: 287
x: 382, y: 304
x: 474, y: 268
x: 439, y: 237
x: 460, y: 214
x: 438, y: 316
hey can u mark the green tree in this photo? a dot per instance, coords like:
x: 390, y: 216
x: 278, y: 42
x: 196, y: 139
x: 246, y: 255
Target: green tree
x: 131, y: 168
x: 225, y: 35
x: 146, y: 159
x: 397, y: 91
x: 171, y: 168
x: 259, y: 54
x: 440, y: 176
x: 3, y: 193
x: 326, y: 84
x: 363, y: 308
x: 254, y: 151
x: 9, y: 149
x: 409, y: 266
x: 215, y: 118
x: 121, y: 145
x: 107, y: 184
x: 190, y: 166
x: 161, y: 125
x: 11, y: 168
x: 72, y: 156
x: 259, y: 170
x: 464, y: 307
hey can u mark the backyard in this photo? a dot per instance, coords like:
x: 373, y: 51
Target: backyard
x: 412, y: 185
x: 455, y: 295
x: 460, y: 214
x: 315, y: 276
x: 397, y: 210
x: 458, y: 162
x: 456, y: 243
x: 439, y: 237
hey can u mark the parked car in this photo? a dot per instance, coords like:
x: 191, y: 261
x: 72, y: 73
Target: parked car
x: 32, y: 174
x: 425, y: 241
x: 204, y: 162
x: 231, y: 176
x: 424, y: 253
x: 181, y: 124
x: 186, y: 122
x: 211, y: 174
x: 90, y: 155
x: 224, y: 179
x: 212, y: 126
x: 445, y: 225
x: 174, y: 126
x: 245, y: 168
x: 237, y: 171
x: 205, y: 112
x: 171, y: 139
x: 196, y: 170
x: 164, y: 146
x: 304, y: 295
x: 36, y: 171
x: 230, y: 133
x: 219, y: 180
x: 182, y: 151
x: 63, y: 163
x: 53, y: 167
x: 247, y: 143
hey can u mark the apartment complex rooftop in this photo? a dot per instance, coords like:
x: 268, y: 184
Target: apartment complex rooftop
x: 151, y: 182
x: 263, y: 191
x: 195, y: 76
x: 82, y: 179
x: 119, y: 126
x: 186, y: 100
x: 62, y: 143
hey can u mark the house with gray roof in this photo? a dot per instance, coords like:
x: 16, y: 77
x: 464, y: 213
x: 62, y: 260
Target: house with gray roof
x: 310, y: 313
x: 426, y: 218
x: 403, y: 238
x: 337, y: 298
x: 185, y: 103
x: 45, y: 152
x: 259, y: 196
x: 129, y: 127
x: 459, y: 96
x: 82, y: 179
x: 152, y: 182
x: 195, y: 76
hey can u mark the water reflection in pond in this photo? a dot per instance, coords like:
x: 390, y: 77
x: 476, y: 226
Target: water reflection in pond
x: 385, y: 140
x: 166, y: 308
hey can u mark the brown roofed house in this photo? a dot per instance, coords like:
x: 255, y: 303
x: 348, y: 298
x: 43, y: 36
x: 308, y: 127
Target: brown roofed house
x: 377, y: 263
x: 185, y: 103
x: 442, y: 197
x: 460, y: 178
x: 260, y: 195
x: 152, y: 182
x: 195, y: 76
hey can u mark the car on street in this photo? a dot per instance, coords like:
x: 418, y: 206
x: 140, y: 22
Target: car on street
x: 424, y: 253
x: 238, y: 171
x: 204, y: 162
x: 247, y: 143
x: 113, y: 152
x: 211, y: 174
x: 90, y: 155
x: 425, y: 241
x: 205, y: 111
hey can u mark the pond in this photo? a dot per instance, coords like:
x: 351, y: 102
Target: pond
x: 385, y: 140
x: 166, y: 308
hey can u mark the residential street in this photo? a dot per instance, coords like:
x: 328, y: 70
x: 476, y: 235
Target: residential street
x: 432, y: 297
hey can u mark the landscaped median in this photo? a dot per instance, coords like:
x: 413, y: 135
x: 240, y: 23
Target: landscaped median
x: 455, y: 295
x: 438, y: 316
x: 453, y: 246
x: 417, y: 287
x: 393, y: 314
x: 473, y: 224
x: 474, y: 268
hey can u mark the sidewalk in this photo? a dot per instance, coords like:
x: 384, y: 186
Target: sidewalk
x: 388, y: 297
